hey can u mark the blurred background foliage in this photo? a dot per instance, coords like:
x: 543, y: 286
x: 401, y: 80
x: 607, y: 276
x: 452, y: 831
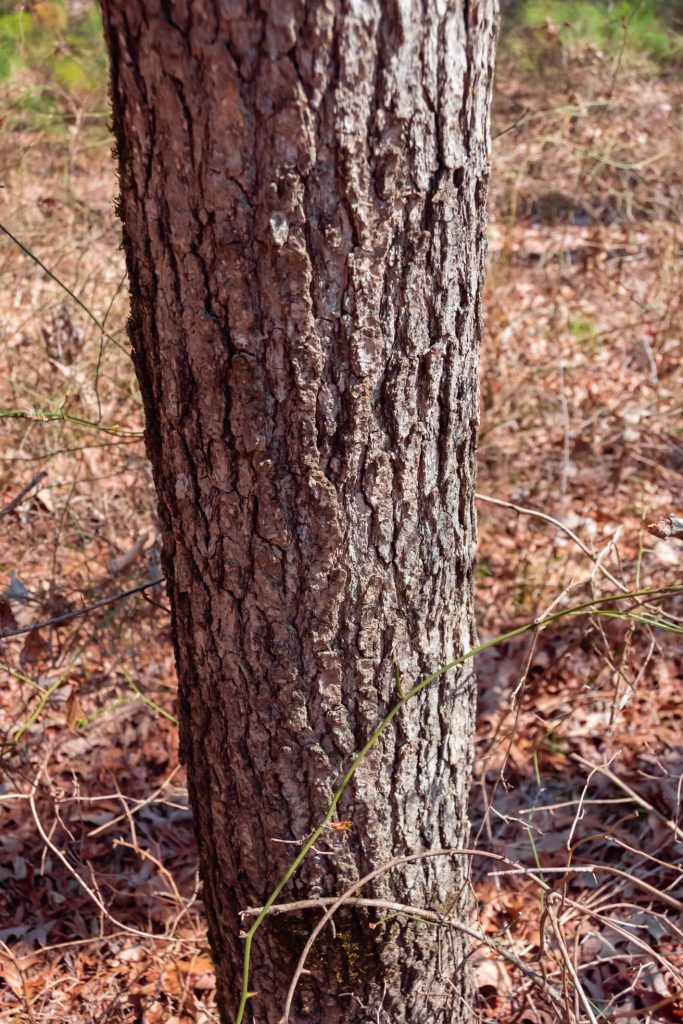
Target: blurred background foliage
x: 636, y: 33
x: 54, y: 69
x: 52, y: 63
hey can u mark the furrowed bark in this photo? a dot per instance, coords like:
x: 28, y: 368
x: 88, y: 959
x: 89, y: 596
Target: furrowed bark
x: 303, y: 189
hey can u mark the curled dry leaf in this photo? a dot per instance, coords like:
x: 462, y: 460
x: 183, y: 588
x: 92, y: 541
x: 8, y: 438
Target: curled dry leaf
x: 670, y: 526
x: 36, y: 648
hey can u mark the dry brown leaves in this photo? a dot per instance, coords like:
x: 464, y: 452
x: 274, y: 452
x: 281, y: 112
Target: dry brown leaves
x: 579, y: 734
x: 579, y: 729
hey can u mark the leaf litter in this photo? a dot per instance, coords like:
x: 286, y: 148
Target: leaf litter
x: 578, y: 761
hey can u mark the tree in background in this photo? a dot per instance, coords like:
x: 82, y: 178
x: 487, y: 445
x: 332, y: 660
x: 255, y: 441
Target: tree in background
x: 303, y: 193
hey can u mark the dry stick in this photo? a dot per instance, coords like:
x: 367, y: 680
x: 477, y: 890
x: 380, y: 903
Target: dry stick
x: 658, y: 915
x: 139, y: 804
x: 623, y: 932
x: 100, y: 351
x: 567, y: 961
x: 592, y: 869
x: 71, y: 942
x: 579, y: 809
x: 521, y: 510
x: 186, y: 907
x: 72, y: 871
x: 575, y: 962
x: 65, y: 288
x: 80, y: 611
x: 598, y: 905
x: 514, y: 703
x: 406, y: 910
x: 9, y: 955
x: 127, y: 815
x: 522, y: 810
x: 596, y: 559
x: 15, y: 502
x: 146, y: 855
x: 71, y: 448
x: 596, y: 900
x: 642, y: 855
x: 588, y: 607
x: 516, y: 706
x: 564, y: 406
x: 604, y: 770
x: 564, y: 976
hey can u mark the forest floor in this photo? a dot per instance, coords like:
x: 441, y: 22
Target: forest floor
x: 579, y: 748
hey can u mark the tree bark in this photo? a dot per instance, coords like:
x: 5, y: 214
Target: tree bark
x: 303, y: 189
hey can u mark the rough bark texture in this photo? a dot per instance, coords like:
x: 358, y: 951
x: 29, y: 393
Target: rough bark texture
x: 303, y: 188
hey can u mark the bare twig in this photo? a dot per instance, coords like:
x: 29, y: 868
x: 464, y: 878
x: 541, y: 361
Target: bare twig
x: 93, y: 939
x: 91, y: 891
x: 146, y: 855
x: 567, y: 960
x: 81, y: 611
x: 533, y: 873
x: 579, y: 809
x: 404, y: 909
x: 604, y: 770
x: 23, y: 493
x: 65, y: 288
x: 521, y: 510
x: 72, y: 871
x: 383, y: 869
x: 593, y: 869
x: 139, y: 804
x: 7, y: 952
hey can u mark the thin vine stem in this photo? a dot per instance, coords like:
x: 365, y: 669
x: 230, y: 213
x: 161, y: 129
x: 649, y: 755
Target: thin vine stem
x: 60, y: 416
x: 72, y: 295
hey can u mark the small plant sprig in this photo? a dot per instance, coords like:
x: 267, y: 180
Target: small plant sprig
x: 60, y: 415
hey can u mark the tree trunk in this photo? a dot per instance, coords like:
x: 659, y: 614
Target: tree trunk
x: 303, y: 189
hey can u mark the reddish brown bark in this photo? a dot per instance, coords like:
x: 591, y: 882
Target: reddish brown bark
x: 303, y: 190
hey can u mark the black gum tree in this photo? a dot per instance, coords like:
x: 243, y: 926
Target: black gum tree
x: 303, y: 189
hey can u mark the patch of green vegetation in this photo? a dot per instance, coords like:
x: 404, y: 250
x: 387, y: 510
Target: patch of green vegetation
x: 643, y: 32
x: 53, y: 64
x: 14, y: 27
x: 37, y: 108
x: 585, y: 334
x: 482, y: 569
